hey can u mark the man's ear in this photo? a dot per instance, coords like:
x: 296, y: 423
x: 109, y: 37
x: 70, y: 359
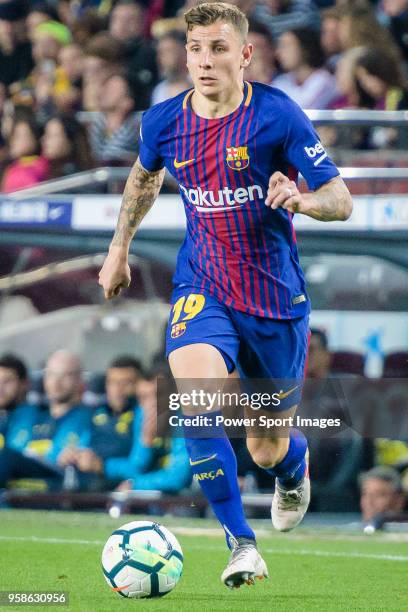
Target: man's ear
x: 246, y: 55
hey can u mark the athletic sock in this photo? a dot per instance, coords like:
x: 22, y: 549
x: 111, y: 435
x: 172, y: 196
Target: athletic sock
x: 214, y: 466
x: 291, y: 470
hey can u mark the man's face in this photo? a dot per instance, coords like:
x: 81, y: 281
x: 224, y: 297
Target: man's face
x: 216, y: 57
x: 289, y: 52
x: 71, y: 60
x: 120, y: 385
x: 171, y: 57
x: 329, y: 38
x: 12, y: 389
x: 318, y: 362
x: 262, y: 66
x: 114, y: 94
x: 45, y: 47
x: 126, y: 22
x: 378, y: 496
x: 146, y: 391
x: 62, y: 380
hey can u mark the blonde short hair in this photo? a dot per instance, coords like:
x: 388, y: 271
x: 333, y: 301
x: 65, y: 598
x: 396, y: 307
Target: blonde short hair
x: 207, y: 13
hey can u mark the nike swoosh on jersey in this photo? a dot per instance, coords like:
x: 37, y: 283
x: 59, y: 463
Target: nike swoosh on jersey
x: 181, y: 164
x: 203, y: 460
x: 282, y: 395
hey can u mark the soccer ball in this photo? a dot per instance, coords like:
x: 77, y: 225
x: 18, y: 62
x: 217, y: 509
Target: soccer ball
x: 142, y: 559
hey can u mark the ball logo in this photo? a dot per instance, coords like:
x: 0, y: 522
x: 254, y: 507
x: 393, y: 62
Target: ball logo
x: 316, y: 150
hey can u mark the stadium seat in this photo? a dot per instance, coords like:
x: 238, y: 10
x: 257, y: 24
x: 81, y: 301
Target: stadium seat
x: 95, y: 390
x: 35, y: 393
x: 396, y: 365
x: 347, y: 362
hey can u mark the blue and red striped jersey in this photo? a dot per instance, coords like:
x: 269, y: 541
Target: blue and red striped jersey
x: 236, y: 248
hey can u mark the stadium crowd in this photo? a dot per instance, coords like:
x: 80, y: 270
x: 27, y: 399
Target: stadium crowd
x: 74, y: 75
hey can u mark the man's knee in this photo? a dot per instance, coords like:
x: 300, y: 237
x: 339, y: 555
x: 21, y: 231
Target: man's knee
x: 267, y: 452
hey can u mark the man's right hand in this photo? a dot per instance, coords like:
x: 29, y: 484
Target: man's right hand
x: 115, y: 273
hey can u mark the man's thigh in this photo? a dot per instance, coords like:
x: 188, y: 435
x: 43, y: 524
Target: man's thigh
x: 272, y: 358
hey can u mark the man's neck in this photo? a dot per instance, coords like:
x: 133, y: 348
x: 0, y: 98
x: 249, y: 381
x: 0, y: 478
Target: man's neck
x: 225, y: 104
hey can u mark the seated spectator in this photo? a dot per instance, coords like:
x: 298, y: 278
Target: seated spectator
x: 346, y: 82
x: 114, y: 135
x: 359, y: 27
x: 171, y: 57
x: 382, y: 84
x: 381, y: 493
x: 36, y: 442
x: 350, y: 96
x: 115, y: 439
x: 47, y: 78
x: 103, y: 58
x: 85, y: 27
x: 65, y: 145
x: 263, y: 62
x: 319, y: 356
x: 13, y: 389
x: 39, y: 12
x: 338, y: 454
x: 381, y: 78
x: 16, y: 60
x: 305, y: 79
x: 71, y: 68
x: 81, y: 8
x: 28, y: 166
x: 169, y: 471
x: 126, y: 24
x: 279, y: 16
x: 330, y: 37
x: 397, y: 12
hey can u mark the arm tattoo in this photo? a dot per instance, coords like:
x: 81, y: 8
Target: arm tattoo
x: 141, y: 190
x: 331, y: 202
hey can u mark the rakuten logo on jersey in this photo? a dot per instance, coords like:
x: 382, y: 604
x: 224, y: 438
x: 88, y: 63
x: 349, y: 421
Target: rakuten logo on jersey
x: 316, y: 150
x: 223, y: 199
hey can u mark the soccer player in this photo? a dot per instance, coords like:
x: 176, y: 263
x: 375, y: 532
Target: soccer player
x: 239, y: 299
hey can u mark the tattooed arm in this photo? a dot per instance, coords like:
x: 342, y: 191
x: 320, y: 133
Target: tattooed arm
x: 331, y: 202
x: 141, y: 190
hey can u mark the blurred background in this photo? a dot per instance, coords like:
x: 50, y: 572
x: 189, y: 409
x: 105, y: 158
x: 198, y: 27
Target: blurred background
x: 78, y: 375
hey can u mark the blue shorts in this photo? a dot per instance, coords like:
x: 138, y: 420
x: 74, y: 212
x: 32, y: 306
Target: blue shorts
x: 260, y: 348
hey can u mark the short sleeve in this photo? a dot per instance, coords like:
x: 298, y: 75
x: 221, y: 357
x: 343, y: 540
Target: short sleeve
x: 303, y: 149
x: 149, y: 155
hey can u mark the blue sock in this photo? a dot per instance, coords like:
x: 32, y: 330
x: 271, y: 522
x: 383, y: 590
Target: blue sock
x: 214, y: 466
x: 292, y: 468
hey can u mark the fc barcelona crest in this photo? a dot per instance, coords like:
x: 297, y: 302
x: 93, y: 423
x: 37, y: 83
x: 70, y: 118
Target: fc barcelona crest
x: 178, y: 329
x: 237, y: 158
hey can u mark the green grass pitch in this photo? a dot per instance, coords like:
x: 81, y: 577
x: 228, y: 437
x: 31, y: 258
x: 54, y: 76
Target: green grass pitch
x: 309, y: 570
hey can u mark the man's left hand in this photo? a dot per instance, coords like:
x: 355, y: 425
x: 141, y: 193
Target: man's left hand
x: 283, y: 193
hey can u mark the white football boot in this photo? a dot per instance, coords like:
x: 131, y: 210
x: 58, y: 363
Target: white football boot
x: 289, y: 506
x: 244, y: 566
